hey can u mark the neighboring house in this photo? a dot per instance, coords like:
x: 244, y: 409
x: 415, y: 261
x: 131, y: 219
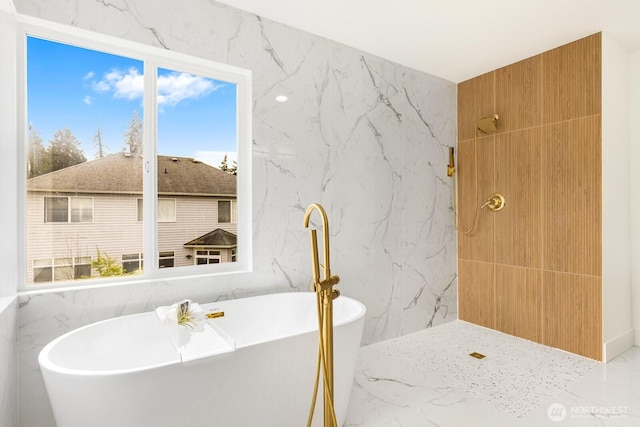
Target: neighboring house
x: 96, y: 206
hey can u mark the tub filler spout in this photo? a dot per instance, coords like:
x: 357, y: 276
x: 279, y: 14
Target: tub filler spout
x: 325, y: 295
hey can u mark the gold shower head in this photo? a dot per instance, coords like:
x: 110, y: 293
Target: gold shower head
x: 487, y: 124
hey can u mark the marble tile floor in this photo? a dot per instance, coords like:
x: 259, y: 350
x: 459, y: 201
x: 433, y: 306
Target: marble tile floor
x: 428, y: 379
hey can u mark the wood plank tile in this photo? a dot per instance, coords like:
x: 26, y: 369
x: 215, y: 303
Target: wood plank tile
x: 519, y: 301
x: 519, y: 95
x: 572, y: 316
x: 478, y: 244
x: 572, y: 80
x: 476, y: 99
x: 476, y: 296
x: 518, y: 227
x: 572, y: 196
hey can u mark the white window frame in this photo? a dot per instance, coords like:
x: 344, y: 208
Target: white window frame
x: 56, y: 263
x: 153, y: 59
x: 139, y: 258
x: 167, y: 255
x: 209, y: 256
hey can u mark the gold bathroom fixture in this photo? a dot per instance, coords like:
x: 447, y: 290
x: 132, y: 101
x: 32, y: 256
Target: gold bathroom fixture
x: 487, y: 124
x: 215, y: 315
x: 325, y: 294
x: 495, y: 202
x: 451, y: 167
x: 484, y: 125
x: 477, y: 355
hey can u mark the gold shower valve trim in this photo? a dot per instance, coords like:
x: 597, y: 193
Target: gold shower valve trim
x: 495, y: 202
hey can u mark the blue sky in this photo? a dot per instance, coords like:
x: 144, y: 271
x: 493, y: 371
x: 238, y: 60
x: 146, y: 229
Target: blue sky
x: 83, y: 90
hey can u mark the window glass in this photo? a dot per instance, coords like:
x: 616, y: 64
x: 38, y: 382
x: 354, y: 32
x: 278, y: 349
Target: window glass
x: 197, y: 164
x: 42, y: 270
x: 132, y: 262
x: 166, y: 210
x: 166, y: 259
x: 56, y: 209
x: 81, y: 209
x: 224, y: 211
x: 139, y: 210
x: 83, y: 110
x: 91, y: 165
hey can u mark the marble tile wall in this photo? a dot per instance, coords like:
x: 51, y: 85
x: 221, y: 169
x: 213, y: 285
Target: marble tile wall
x: 8, y: 363
x: 365, y: 137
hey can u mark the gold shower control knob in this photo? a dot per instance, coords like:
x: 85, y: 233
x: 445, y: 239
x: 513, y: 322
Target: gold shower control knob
x: 495, y: 202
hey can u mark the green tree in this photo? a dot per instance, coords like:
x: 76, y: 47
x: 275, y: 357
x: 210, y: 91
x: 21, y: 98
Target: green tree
x: 107, y: 266
x: 64, y: 150
x: 38, y: 161
x: 233, y: 170
x: 133, y: 135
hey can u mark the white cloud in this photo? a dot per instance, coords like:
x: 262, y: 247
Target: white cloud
x: 214, y: 158
x: 89, y: 75
x: 127, y: 84
x: 87, y: 100
x: 172, y: 88
x: 177, y: 87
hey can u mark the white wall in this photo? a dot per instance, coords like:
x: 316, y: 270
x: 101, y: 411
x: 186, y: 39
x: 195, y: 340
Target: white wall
x: 634, y: 160
x: 363, y: 136
x: 7, y: 151
x: 8, y: 331
x: 616, y: 244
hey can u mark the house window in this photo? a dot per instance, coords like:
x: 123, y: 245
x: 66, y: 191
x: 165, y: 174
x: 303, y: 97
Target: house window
x: 208, y: 257
x: 132, y: 262
x: 68, y: 209
x: 233, y: 255
x: 180, y: 121
x: 61, y: 269
x: 166, y: 210
x: 139, y: 210
x: 226, y: 211
x: 166, y: 259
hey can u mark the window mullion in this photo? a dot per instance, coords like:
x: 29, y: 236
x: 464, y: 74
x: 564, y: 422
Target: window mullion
x: 150, y: 164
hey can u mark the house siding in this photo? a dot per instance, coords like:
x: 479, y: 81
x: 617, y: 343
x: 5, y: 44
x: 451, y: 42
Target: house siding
x: 115, y: 229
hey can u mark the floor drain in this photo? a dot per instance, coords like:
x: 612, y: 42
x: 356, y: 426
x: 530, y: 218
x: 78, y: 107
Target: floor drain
x: 477, y: 355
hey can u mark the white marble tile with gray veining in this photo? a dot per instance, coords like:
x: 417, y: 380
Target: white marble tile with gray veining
x: 361, y: 135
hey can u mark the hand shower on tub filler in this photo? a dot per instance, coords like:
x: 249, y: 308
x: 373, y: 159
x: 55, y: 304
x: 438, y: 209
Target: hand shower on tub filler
x: 325, y: 294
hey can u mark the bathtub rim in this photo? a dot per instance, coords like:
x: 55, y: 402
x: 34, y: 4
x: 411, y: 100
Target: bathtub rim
x: 47, y: 365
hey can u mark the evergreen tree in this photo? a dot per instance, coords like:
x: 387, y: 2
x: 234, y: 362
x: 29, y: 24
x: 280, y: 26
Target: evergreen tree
x: 38, y: 161
x: 223, y: 164
x: 233, y: 170
x: 64, y: 150
x: 133, y: 135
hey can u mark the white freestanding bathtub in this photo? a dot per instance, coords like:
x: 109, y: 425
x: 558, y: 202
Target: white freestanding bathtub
x: 127, y: 372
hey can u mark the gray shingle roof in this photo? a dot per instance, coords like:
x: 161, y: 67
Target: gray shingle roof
x: 122, y: 173
x: 215, y: 238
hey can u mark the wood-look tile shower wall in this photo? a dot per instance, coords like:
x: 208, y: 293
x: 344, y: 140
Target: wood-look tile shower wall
x: 534, y: 269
